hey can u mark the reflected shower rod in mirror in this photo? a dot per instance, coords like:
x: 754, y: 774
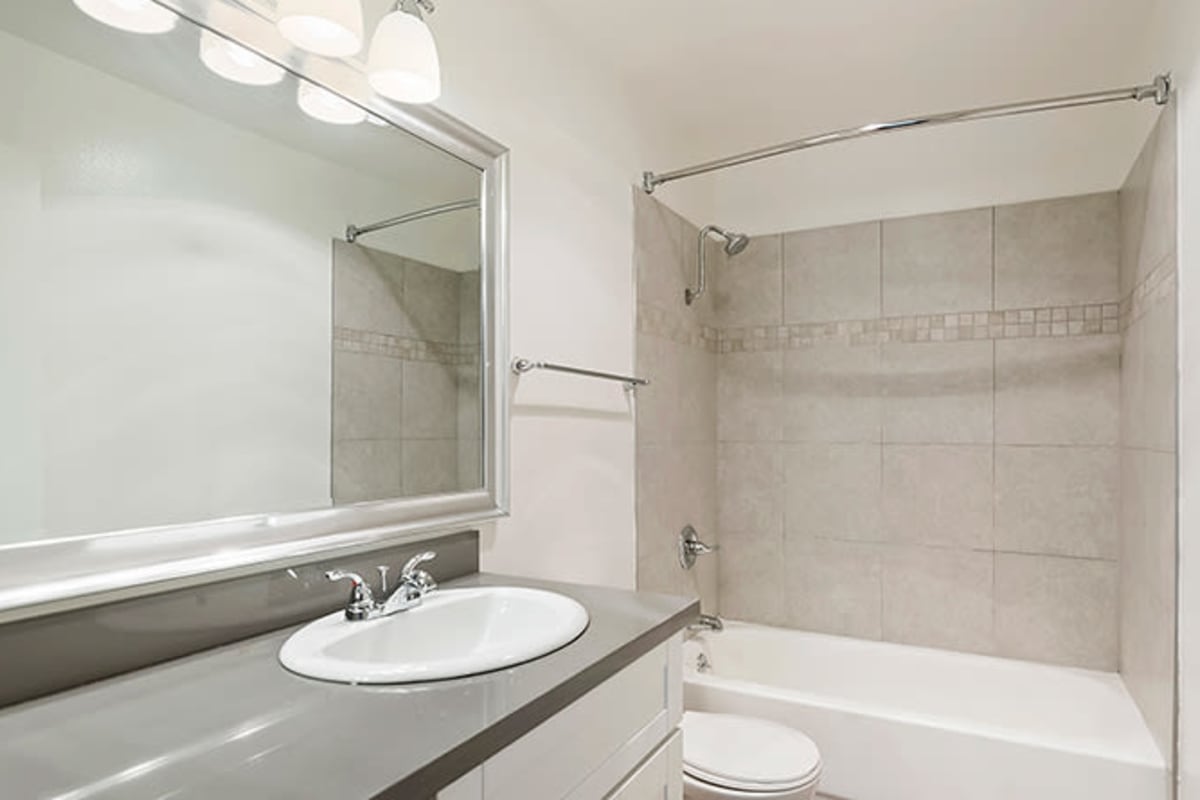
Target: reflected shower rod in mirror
x: 355, y: 231
x: 1159, y: 91
x: 522, y: 365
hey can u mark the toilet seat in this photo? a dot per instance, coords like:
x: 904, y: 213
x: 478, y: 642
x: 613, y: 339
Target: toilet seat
x: 747, y: 754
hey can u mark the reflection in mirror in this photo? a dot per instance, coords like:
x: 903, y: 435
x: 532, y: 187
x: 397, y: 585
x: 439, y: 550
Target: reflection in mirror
x: 185, y: 334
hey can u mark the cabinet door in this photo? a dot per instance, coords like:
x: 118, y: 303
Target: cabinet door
x: 660, y: 777
x: 588, y: 747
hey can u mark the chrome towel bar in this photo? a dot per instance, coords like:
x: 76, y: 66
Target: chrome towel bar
x: 522, y: 365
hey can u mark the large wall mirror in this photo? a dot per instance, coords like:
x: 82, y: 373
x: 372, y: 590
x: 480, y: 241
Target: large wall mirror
x: 247, y: 309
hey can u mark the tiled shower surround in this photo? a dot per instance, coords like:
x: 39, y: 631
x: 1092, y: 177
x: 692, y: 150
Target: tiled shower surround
x: 406, y: 408
x: 906, y: 430
x: 1147, y: 438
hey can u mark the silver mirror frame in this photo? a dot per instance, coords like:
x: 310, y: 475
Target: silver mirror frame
x: 40, y: 578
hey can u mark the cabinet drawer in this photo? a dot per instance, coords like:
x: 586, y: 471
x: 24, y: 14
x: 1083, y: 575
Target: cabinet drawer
x: 660, y: 777
x: 551, y: 761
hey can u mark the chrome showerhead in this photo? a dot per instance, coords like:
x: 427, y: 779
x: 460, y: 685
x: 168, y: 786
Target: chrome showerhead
x: 736, y: 243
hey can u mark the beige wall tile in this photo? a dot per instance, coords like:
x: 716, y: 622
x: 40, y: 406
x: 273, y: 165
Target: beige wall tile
x: 470, y: 304
x: 1147, y: 599
x: 1134, y: 422
x: 431, y: 302
x: 1056, y: 252
x: 937, y: 393
x: 430, y: 405
x: 749, y: 395
x: 938, y: 495
x: 750, y: 487
x: 1058, y: 391
x: 831, y: 393
x: 366, y: 396
x: 1159, y: 377
x: 1058, y: 500
x: 938, y: 598
x: 751, y: 576
x: 832, y: 491
x: 748, y: 290
x: 1059, y: 610
x: 657, y: 419
x: 676, y: 487
x: 696, y: 401
x: 939, y: 262
x: 368, y: 290
x: 430, y: 466
x: 366, y: 470
x: 833, y: 587
x: 663, y: 265
x: 1149, y: 207
x: 831, y: 273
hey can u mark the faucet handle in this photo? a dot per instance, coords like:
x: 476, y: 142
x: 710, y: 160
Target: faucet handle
x: 362, y: 600
x: 410, y: 567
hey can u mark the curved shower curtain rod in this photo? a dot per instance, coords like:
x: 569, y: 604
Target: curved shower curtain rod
x: 1159, y: 91
x: 354, y: 231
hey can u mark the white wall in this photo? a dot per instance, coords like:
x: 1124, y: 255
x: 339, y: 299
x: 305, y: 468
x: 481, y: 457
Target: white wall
x: 1180, y: 38
x: 575, y: 153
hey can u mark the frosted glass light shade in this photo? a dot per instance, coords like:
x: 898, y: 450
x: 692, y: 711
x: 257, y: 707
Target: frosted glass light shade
x: 136, y: 16
x: 403, y: 64
x: 326, y: 106
x: 331, y: 28
x: 233, y: 62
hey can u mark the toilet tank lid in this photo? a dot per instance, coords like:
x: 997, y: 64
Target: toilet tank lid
x: 747, y: 754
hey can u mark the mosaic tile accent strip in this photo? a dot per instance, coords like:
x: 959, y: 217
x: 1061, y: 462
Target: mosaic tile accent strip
x: 1158, y: 285
x: 1021, y: 323
x: 675, y: 327
x: 353, y: 340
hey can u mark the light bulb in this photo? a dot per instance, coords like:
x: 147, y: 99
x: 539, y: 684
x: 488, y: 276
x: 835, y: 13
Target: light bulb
x: 135, y: 16
x: 331, y: 28
x: 403, y: 64
x: 326, y: 106
x: 233, y: 62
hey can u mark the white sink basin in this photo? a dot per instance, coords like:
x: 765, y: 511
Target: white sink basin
x: 453, y: 633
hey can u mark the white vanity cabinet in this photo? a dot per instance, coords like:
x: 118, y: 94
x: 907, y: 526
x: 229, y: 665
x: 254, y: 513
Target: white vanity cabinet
x: 620, y: 741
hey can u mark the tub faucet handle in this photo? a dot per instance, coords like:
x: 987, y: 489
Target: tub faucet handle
x: 690, y: 547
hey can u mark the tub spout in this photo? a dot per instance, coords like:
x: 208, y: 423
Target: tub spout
x: 707, y: 622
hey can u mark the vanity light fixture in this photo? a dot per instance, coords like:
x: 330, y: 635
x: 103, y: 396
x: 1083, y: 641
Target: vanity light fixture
x: 233, y: 62
x: 403, y: 63
x: 324, y: 105
x: 135, y: 16
x: 332, y: 28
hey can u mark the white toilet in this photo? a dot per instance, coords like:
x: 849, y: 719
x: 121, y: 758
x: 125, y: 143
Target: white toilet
x: 727, y: 756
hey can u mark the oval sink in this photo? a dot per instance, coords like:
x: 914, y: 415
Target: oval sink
x: 452, y: 634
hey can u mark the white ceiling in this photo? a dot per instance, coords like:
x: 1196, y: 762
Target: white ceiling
x: 715, y: 78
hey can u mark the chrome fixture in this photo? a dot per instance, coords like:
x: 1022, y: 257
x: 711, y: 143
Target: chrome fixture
x: 411, y: 588
x: 734, y: 244
x: 355, y: 231
x: 703, y: 664
x: 522, y: 365
x: 1159, y: 91
x: 707, y: 622
x: 690, y: 547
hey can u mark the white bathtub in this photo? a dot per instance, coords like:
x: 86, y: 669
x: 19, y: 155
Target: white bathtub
x: 895, y: 722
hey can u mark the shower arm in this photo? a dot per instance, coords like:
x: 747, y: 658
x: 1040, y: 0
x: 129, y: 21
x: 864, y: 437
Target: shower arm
x: 692, y: 295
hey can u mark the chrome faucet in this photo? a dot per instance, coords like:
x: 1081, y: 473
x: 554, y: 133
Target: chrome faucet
x: 707, y: 622
x: 412, y: 586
